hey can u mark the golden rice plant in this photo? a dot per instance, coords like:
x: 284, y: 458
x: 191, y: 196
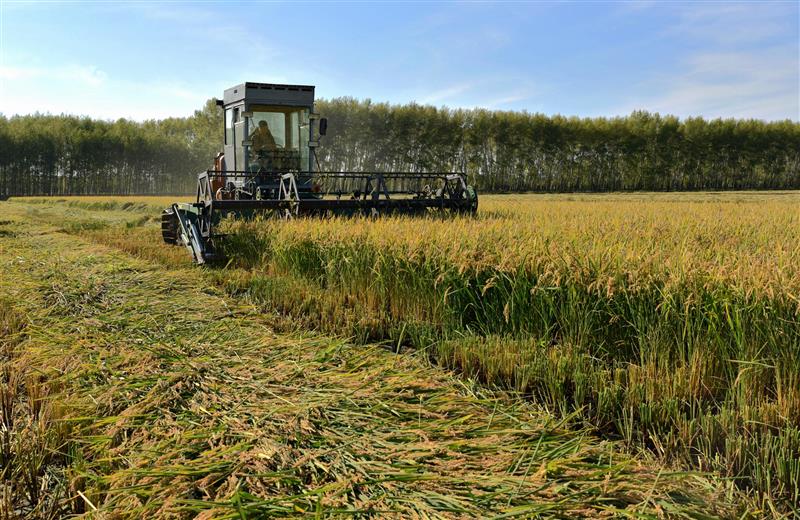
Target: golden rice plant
x: 142, y: 391
x: 669, y: 321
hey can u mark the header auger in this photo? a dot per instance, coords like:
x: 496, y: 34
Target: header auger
x: 266, y: 167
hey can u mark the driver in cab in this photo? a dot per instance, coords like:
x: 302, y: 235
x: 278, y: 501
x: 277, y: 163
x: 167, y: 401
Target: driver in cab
x: 264, y: 146
x: 262, y: 139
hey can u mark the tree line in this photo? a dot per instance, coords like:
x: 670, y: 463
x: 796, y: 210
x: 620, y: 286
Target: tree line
x: 499, y: 151
x: 68, y: 155
x: 519, y: 151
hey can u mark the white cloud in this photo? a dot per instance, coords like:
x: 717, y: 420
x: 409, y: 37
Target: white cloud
x: 504, y: 101
x: 17, y: 73
x: 741, y: 59
x: 85, y: 90
x: 87, y: 75
x: 445, y: 94
x: 734, y: 23
x: 482, y: 92
x: 84, y: 74
x: 762, y: 84
x: 198, y: 21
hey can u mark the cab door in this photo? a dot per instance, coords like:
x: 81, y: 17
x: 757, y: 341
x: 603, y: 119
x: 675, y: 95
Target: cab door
x: 234, y: 133
x: 230, y: 160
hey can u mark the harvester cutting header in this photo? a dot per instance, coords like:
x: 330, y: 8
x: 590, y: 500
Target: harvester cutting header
x: 270, y: 138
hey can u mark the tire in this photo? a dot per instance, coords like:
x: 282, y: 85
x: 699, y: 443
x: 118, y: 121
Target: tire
x: 472, y: 194
x: 169, y: 226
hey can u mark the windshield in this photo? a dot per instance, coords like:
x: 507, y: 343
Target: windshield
x: 279, y: 138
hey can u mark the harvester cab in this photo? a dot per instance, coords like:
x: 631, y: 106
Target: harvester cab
x: 267, y: 167
x: 268, y: 129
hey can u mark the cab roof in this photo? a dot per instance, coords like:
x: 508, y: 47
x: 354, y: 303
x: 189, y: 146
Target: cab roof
x: 269, y: 94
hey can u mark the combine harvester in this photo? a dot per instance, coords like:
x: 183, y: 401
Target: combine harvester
x: 266, y: 168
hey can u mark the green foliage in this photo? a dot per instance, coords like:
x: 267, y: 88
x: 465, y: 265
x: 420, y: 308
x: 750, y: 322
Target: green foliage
x: 500, y: 151
x: 68, y: 155
x: 519, y: 151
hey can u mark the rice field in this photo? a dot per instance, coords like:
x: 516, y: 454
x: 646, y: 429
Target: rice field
x: 669, y: 322
x: 662, y: 326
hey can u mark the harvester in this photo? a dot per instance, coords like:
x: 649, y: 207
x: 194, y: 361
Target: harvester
x: 271, y: 133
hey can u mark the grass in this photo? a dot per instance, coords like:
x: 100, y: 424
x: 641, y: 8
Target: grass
x: 167, y: 398
x: 666, y: 322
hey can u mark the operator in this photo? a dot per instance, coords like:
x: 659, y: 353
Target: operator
x: 264, y: 146
x: 262, y: 138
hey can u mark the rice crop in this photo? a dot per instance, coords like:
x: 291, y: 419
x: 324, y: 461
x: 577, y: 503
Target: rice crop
x: 32, y: 440
x: 670, y: 322
x: 169, y: 398
x: 132, y: 203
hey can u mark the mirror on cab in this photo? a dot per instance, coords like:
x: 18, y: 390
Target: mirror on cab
x: 323, y: 126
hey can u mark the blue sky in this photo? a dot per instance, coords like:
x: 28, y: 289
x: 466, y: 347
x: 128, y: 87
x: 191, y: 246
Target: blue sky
x: 157, y: 59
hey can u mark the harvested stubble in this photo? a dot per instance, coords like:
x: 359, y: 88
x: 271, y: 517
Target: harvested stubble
x: 174, y: 400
